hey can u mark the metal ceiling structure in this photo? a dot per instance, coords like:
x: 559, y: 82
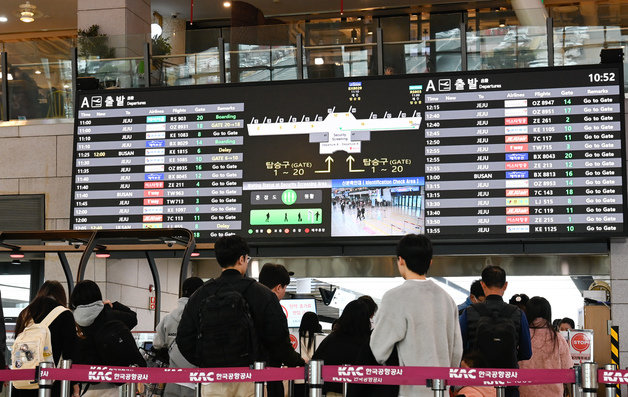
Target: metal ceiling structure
x: 150, y: 242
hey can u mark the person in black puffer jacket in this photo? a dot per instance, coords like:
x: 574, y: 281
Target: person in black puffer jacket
x: 62, y: 329
x: 92, y: 314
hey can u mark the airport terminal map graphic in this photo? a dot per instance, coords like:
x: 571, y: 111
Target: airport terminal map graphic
x: 522, y: 154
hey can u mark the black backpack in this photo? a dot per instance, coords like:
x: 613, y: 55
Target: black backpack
x: 226, y: 329
x: 496, y: 336
x: 115, y: 345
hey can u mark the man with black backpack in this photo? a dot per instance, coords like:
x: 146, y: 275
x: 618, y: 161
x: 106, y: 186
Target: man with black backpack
x: 496, y: 330
x: 232, y: 321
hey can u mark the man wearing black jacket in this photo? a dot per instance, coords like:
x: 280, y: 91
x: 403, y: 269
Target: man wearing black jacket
x: 276, y: 277
x: 269, y: 322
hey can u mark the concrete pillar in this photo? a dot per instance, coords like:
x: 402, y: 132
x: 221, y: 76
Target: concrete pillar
x: 126, y: 22
x: 530, y: 12
x: 588, y: 10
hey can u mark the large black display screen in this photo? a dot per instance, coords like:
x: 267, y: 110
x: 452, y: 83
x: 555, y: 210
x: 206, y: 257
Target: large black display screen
x: 525, y: 154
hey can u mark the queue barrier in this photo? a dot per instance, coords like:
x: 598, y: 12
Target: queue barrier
x: 453, y: 376
x: 7, y: 375
x: 95, y: 373
x: 585, y: 376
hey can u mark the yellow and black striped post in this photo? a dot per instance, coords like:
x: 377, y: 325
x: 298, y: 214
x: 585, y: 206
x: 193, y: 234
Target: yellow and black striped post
x: 615, y: 353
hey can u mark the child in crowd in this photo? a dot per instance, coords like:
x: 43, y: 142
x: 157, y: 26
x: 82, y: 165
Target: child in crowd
x: 473, y: 360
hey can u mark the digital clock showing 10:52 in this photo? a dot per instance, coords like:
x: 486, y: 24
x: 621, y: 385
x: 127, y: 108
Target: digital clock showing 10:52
x: 508, y: 154
x: 606, y: 77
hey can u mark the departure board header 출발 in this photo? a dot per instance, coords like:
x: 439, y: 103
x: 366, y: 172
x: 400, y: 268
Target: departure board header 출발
x: 517, y: 154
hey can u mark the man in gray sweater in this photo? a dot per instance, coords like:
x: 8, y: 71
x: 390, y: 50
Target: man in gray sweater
x: 418, y: 317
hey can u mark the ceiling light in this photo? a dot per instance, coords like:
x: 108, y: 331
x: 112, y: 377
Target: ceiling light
x: 9, y: 76
x: 155, y: 30
x: 27, y: 12
x: 16, y: 262
x: 226, y: 4
x: 4, y: 19
x: 27, y: 16
x: 502, y: 23
x: 16, y: 254
x: 37, y: 71
x: 318, y: 61
x: 195, y: 254
x: 156, y: 26
x: 103, y: 254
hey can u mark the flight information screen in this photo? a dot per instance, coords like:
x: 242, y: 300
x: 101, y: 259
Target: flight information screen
x: 525, y: 154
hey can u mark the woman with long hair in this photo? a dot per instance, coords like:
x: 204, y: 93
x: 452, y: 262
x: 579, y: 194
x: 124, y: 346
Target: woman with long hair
x: 63, y: 336
x: 549, y: 349
x: 349, y: 338
x: 308, y: 329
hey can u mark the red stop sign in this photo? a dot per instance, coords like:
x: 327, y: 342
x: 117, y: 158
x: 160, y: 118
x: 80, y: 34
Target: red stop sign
x: 580, y: 342
x: 294, y: 341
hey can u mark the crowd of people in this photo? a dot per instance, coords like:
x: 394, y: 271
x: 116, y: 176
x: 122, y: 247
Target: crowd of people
x: 86, y: 329
x: 356, y: 206
x: 234, y: 320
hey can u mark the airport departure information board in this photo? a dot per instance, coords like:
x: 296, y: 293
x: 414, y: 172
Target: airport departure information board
x: 525, y: 154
